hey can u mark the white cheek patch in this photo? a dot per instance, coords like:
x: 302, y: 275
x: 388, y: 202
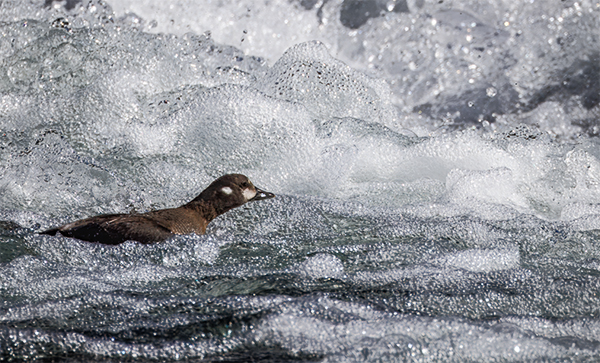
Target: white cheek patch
x: 227, y: 190
x: 248, y: 194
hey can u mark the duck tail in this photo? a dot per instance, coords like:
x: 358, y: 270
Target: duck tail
x: 51, y: 232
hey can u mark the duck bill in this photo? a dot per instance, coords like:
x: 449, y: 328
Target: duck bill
x: 261, y: 194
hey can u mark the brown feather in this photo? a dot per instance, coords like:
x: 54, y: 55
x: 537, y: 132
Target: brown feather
x: 159, y: 225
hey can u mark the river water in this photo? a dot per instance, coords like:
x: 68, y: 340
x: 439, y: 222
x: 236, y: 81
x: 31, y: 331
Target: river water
x: 436, y: 165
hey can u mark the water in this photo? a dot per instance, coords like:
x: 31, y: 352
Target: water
x: 436, y: 165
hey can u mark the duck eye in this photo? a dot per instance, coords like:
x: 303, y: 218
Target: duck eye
x: 245, y: 185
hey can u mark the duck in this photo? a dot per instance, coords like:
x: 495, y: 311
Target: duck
x: 225, y: 193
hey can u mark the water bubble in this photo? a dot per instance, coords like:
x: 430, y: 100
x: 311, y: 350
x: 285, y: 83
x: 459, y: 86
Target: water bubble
x: 491, y: 92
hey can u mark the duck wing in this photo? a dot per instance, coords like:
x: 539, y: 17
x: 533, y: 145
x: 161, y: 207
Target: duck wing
x: 113, y: 229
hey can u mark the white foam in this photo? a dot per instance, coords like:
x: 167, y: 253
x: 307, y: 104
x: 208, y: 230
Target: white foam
x: 322, y: 266
x: 282, y: 23
x: 355, y: 334
x: 477, y: 260
x: 340, y: 139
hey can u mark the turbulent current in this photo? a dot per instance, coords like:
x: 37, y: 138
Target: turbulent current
x: 436, y: 166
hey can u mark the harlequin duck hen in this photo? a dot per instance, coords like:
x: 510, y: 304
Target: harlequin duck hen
x: 227, y: 192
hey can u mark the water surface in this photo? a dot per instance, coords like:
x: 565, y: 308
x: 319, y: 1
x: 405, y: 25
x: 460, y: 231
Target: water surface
x: 436, y: 166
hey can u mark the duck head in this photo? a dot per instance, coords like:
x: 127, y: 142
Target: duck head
x: 231, y: 191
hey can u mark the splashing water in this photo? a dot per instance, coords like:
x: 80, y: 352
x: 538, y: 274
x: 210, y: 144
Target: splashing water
x: 436, y: 166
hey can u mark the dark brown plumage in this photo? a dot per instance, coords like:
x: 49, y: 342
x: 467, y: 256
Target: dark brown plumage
x: 227, y: 192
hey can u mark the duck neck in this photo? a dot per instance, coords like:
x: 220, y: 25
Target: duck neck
x: 206, y: 210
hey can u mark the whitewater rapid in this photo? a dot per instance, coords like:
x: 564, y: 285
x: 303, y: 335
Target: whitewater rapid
x: 436, y: 166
